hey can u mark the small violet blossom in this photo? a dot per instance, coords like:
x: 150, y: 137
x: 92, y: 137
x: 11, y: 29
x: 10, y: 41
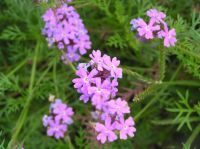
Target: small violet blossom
x: 156, y: 27
x: 147, y: 30
x: 106, y: 132
x: 65, y: 29
x: 56, y: 129
x: 126, y: 128
x: 119, y: 107
x: 155, y: 15
x: 59, y: 119
x: 169, y: 36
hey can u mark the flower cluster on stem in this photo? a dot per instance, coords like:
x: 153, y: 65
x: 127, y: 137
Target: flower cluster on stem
x: 58, y: 120
x: 155, y: 28
x: 65, y: 29
x: 97, y: 82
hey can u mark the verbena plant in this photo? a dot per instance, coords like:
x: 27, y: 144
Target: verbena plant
x: 161, y: 88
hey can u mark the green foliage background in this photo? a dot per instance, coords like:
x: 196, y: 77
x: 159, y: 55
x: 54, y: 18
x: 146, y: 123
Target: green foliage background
x: 162, y: 85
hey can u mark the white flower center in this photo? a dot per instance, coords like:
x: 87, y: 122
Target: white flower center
x: 99, y: 90
x: 118, y: 108
x: 112, y: 66
x: 147, y: 28
x: 71, y: 55
x: 85, y: 79
x: 125, y: 127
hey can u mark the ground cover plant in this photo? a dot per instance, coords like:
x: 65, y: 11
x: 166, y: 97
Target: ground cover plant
x: 110, y: 74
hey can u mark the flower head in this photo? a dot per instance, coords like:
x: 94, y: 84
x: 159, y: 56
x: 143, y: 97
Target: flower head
x: 112, y: 66
x: 105, y: 132
x: 56, y: 129
x: 135, y: 23
x: 156, y: 15
x: 126, y: 128
x: 97, y: 82
x: 97, y: 59
x: 156, y: 27
x: 85, y: 79
x: 119, y: 107
x: 59, y: 119
x: 146, y: 30
x: 169, y: 36
x: 64, y: 28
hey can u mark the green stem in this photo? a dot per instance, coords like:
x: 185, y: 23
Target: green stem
x: 55, y: 80
x: 24, y: 112
x: 17, y: 68
x: 172, y: 121
x: 157, y: 96
x: 152, y: 88
x: 42, y: 76
x: 68, y: 61
x: 69, y: 142
x: 182, y: 82
x: 162, y: 64
x: 137, y: 76
x: 195, y: 133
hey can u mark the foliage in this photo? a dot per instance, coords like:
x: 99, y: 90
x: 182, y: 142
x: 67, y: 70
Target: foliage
x: 165, y: 84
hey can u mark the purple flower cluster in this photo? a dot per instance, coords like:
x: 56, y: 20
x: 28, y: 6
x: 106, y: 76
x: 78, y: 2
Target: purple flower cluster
x: 64, y: 28
x: 156, y: 27
x: 59, y: 119
x: 97, y: 81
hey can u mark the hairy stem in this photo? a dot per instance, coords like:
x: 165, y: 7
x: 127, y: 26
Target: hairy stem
x: 162, y: 64
x: 137, y: 75
x: 157, y: 96
x: 152, y: 88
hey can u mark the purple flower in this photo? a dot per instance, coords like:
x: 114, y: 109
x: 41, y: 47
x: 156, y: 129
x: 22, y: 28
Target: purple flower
x: 64, y: 28
x: 63, y: 113
x: 156, y: 15
x: 154, y: 27
x: 113, y: 87
x: 118, y: 107
x: 56, y: 129
x: 59, y: 119
x: 112, y: 66
x: 71, y: 55
x: 147, y: 30
x: 98, y: 82
x: 169, y: 36
x: 49, y: 16
x: 85, y: 78
x: 126, y: 128
x: 105, y: 132
x: 45, y: 120
x: 82, y: 43
x: 55, y: 104
x: 100, y: 93
x: 134, y: 23
x: 97, y: 60
x: 95, y: 114
x: 60, y: 33
x: 61, y: 45
x: 85, y: 97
